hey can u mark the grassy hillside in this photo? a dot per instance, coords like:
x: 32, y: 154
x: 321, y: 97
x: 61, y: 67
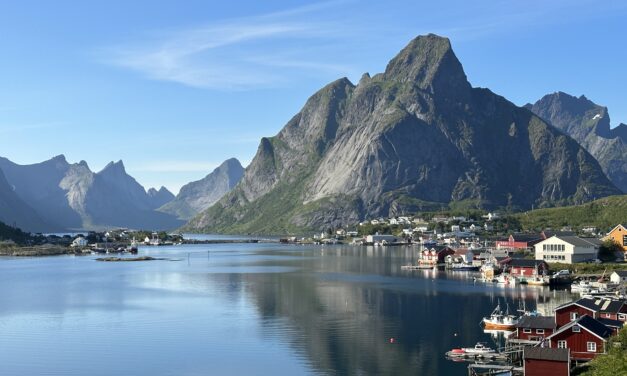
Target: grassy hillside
x: 604, y: 214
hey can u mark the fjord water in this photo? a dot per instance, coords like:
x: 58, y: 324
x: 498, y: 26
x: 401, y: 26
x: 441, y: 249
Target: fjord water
x: 243, y: 309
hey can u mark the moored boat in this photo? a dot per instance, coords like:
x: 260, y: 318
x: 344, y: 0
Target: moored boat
x: 499, y: 320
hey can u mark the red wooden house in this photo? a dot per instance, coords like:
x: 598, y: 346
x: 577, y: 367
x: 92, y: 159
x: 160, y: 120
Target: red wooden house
x: 593, y: 307
x: 528, y: 268
x: 585, y: 338
x: 535, y: 328
x: 519, y: 241
x: 435, y: 255
x: 542, y: 361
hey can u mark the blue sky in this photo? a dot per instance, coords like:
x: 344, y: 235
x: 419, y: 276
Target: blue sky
x: 173, y: 88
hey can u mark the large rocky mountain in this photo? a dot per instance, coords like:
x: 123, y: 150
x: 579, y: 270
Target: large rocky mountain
x: 589, y: 124
x: 15, y: 212
x: 199, y: 195
x: 415, y: 135
x: 71, y: 196
x: 160, y: 197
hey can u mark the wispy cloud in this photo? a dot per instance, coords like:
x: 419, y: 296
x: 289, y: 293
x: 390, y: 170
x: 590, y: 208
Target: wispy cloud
x: 236, y: 54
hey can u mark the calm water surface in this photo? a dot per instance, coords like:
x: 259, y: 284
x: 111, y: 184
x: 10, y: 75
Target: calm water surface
x: 244, y: 309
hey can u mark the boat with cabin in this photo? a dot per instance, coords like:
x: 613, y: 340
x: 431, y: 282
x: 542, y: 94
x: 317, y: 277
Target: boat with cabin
x: 500, y: 320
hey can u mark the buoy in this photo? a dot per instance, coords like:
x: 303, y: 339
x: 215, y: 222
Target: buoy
x: 455, y: 335
x: 391, y: 340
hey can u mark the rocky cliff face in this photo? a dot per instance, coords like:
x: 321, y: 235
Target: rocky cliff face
x: 160, y: 197
x: 71, y: 196
x: 414, y: 136
x: 589, y: 124
x: 200, y: 195
x: 15, y: 212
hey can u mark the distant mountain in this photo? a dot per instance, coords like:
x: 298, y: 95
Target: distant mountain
x: 15, y: 212
x: 589, y: 124
x: 416, y: 136
x: 71, y: 196
x: 159, y: 197
x: 200, y: 195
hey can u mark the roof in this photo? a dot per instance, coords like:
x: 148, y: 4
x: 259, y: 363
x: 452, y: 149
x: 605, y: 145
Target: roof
x: 525, y: 263
x: 597, y: 304
x: 537, y: 322
x: 549, y: 233
x: 611, y: 323
x: 590, y: 325
x: 617, y: 226
x: 526, y: 237
x: 577, y: 241
x: 545, y: 353
x: 621, y: 273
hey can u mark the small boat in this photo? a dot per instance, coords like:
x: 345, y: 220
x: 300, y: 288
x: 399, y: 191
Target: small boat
x: 499, y: 320
x: 506, y: 279
x: 480, y: 350
x: 537, y: 281
x: 463, y: 267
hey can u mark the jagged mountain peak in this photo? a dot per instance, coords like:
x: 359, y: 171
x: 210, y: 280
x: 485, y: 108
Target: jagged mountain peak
x: 114, y: 167
x: 430, y: 63
x: 589, y: 124
x: 199, y: 195
x: 414, y: 136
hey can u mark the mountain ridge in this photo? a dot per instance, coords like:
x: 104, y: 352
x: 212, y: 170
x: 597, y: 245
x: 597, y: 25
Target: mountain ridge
x: 589, y: 124
x: 416, y: 135
x: 199, y: 195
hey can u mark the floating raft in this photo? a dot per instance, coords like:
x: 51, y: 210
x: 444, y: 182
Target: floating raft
x: 417, y: 267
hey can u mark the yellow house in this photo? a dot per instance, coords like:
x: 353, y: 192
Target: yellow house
x: 619, y: 234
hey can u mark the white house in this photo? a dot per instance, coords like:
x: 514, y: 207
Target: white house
x: 371, y: 239
x: 619, y: 276
x: 488, y: 227
x: 455, y: 228
x: 79, y: 242
x: 567, y: 249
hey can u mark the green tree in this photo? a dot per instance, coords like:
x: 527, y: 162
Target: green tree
x: 609, y: 250
x: 613, y: 363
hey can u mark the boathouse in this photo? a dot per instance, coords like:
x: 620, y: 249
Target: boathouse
x: 528, y: 268
x: 542, y: 361
x: 435, y: 255
x: 585, y: 338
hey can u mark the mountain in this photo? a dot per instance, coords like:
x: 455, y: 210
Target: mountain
x: 159, y: 197
x: 200, y: 195
x: 589, y: 124
x: 417, y: 135
x: 71, y: 196
x: 15, y: 212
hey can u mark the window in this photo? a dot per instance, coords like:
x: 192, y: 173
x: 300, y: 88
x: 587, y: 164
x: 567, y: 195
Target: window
x: 544, y: 247
x: 526, y: 330
x: 608, y: 315
x: 539, y: 331
x: 622, y: 316
x: 592, y: 347
x: 561, y: 344
x: 576, y: 329
x: 573, y: 316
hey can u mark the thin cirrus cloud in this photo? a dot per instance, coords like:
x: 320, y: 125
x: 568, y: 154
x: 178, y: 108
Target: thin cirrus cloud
x: 239, y: 54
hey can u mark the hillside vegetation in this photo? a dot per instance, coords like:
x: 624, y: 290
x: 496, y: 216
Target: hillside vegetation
x: 603, y: 214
